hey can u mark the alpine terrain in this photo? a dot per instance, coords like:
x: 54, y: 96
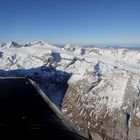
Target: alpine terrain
x: 97, y: 89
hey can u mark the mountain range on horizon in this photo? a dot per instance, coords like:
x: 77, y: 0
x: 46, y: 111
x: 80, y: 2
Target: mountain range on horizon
x: 99, y: 45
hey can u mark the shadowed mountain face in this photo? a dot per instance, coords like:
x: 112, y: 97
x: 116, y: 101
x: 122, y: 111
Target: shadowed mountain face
x: 52, y: 82
x: 20, y: 102
x: 27, y: 114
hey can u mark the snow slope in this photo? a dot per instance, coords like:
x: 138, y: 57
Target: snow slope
x: 91, y: 85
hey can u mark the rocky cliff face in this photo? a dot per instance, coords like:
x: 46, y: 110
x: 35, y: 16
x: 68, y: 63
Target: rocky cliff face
x: 107, y: 108
x: 98, y: 90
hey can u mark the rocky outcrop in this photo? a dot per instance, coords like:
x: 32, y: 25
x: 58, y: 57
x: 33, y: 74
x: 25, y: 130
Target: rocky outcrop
x: 88, y: 110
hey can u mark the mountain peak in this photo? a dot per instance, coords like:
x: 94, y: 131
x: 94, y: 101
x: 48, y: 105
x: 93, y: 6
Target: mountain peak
x: 34, y: 43
x: 11, y: 44
x: 15, y: 44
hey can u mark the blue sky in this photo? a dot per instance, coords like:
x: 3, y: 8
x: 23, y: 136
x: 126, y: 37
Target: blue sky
x: 70, y: 21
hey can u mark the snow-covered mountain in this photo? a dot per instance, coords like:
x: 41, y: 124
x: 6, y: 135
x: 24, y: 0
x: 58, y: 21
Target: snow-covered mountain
x: 97, y: 89
x: 10, y: 45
